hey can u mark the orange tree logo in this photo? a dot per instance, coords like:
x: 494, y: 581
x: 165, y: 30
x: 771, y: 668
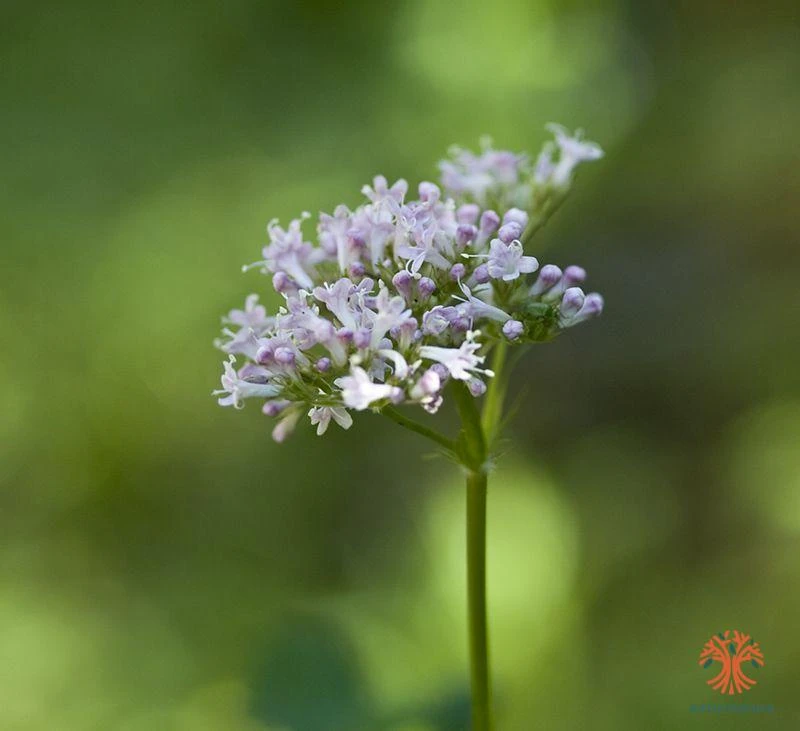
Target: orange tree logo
x: 732, y: 649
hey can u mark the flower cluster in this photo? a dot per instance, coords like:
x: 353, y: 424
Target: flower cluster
x: 398, y: 296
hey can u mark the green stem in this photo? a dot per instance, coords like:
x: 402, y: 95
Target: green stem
x: 493, y: 406
x: 471, y: 444
x: 472, y: 452
x: 476, y: 602
x: 415, y: 426
x: 538, y: 221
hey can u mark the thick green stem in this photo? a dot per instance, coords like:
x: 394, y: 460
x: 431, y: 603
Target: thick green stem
x: 476, y: 600
x: 471, y: 445
x: 415, y: 426
x: 473, y: 454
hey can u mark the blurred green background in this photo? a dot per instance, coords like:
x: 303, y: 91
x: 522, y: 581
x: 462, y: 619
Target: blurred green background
x: 165, y: 566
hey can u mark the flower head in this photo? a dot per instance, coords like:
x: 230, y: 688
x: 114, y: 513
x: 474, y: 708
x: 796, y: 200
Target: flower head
x: 399, y: 295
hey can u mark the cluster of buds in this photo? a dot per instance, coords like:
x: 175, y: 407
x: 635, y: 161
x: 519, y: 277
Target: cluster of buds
x: 399, y: 296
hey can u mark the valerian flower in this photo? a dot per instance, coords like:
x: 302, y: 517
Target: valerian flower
x: 397, y: 296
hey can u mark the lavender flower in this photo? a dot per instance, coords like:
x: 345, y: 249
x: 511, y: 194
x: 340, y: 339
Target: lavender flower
x: 397, y: 296
x: 507, y: 262
x: 573, y: 150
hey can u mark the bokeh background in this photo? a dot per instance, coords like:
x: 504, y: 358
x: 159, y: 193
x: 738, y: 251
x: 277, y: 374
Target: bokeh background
x: 165, y: 566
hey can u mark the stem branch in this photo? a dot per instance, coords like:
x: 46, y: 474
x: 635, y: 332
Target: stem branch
x: 415, y: 426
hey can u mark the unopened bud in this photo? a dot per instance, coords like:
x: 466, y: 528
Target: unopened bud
x: 549, y: 275
x: 284, y: 356
x: 465, y: 234
x: 512, y: 329
x: 429, y: 192
x: 476, y: 387
x: 468, y: 213
x: 426, y: 287
x: 402, y: 282
x: 357, y: 269
x: 273, y: 408
x: 509, y: 232
x: 481, y: 274
x: 283, y: 283
x: 516, y: 215
x: 572, y: 302
x: 361, y: 338
x: 574, y: 275
x: 489, y: 223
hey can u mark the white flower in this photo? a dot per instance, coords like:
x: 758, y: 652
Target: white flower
x: 286, y: 424
x: 252, y: 316
x: 358, y: 390
x: 478, y: 309
x: 338, y: 297
x: 287, y: 252
x: 392, y: 311
x: 400, y: 364
x: 461, y: 362
x: 381, y: 192
x: 239, y: 389
x: 322, y: 415
x: 333, y: 235
x: 574, y: 151
x: 507, y: 262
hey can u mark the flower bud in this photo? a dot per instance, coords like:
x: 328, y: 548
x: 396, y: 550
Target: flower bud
x: 592, y: 307
x: 459, y: 318
x: 441, y: 370
x: 476, y: 387
x: 465, y: 234
x: 509, y: 232
x: 434, y: 322
x: 428, y: 385
x: 323, y: 365
x: 357, y: 270
x: 574, y: 275
x: 468, y: 213
x: 361, y: 338
x: 457, y: 271
x: 284, y: 356
x: 356, y: 239
x: 489, y: 223
x: 283, y: 283
x: 273, y: 408
x: 572, y: 302
x: 549, y: 275
x: 405, y: 332
x: 426, y: 287
x: 481, y: 274
x: 515, y: 215
x: 264, y: 354
x: 286, y: 425
x: 402, y: 282
x: 429, y: 192
x: 512, y: 329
